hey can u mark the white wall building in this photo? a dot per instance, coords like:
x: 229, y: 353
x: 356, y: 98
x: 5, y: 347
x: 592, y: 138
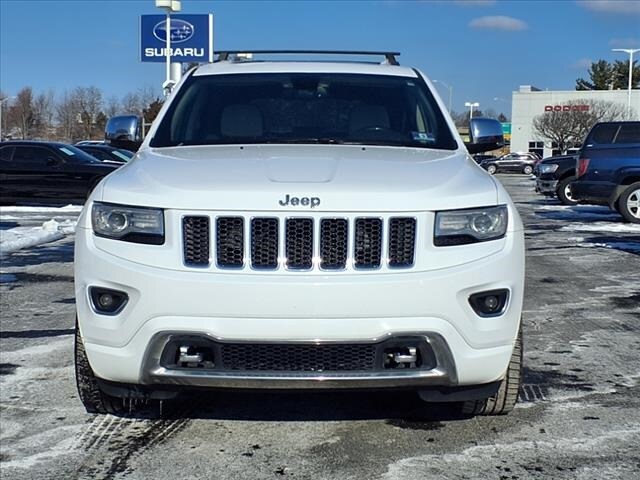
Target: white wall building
x: 529, y: 102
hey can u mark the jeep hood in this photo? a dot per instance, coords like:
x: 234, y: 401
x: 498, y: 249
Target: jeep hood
x: 258, y: 177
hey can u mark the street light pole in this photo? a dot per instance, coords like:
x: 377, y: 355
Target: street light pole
x: 630, y: 51
x: 450, y: 92
x: 471, y: 105
x: 169, y: 6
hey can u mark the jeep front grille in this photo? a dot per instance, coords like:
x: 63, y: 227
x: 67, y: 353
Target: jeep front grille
x: 300, y: 243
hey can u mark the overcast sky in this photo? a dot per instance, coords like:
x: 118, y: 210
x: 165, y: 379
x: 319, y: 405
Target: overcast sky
x: 483, y: 49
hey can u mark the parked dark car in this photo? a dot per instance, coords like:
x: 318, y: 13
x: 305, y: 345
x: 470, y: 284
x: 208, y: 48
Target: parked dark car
x: 48, y: 172
x: 479, y: 158
x: 105, y: 153
x: 608, y: 168
x: 554, y: 177
x: 522, y: 162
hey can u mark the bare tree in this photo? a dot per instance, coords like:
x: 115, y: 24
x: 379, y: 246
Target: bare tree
x: 67, y: 116
x: 44, y: 110
x: 22, y: 113
x: 148, y: 95
x: 568, y: 128
x: 88, y: 101
x: 112, y: 106
x: 131, y: 103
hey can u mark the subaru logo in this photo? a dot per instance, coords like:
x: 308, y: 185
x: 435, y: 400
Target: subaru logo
x: 181, y: 31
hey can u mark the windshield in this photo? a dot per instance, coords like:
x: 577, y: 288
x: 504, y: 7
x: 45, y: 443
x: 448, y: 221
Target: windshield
x: 304, y: 108
x: 125, y: 155
x: 72, y: 152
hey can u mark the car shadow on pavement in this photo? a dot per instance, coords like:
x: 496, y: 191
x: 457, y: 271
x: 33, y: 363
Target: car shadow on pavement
x: 402, y: 409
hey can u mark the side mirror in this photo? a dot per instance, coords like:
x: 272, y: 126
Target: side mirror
x: 124, y: 131
x: 485, y: 134
x: 52, y: 162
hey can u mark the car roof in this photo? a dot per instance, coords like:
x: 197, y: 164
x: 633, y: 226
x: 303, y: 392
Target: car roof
x: 234, y: 67
x: 35, y: 143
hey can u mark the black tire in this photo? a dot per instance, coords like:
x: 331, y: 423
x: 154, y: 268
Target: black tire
x: 629, y: 203
x: 564, y: 191
x: 93, y: 399
x: 527, y: 170
x: 507, y: 396
x: 492, y: 169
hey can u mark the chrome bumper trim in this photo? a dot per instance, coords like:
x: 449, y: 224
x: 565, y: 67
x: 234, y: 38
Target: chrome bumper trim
x: 444, y: 374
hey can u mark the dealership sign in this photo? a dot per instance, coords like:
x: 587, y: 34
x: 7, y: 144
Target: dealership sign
x: 191, y: 38
x: 566, y: 108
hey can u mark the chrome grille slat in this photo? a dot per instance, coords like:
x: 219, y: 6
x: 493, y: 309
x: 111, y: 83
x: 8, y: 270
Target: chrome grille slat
x: 230, y: 242
x: 195, y: 241
x: 333, y: 243
x: 264, y: 242
x: 402, y: 241
x: 299, y: 243
x: 368, y: 243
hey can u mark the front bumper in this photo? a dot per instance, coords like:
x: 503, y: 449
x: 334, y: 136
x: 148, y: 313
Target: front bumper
x: 546, y: 187
x: 255, y: 308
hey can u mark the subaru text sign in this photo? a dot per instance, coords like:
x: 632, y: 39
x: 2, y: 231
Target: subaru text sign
x: 191, y: 38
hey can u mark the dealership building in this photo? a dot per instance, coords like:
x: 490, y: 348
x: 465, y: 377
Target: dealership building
x: 529, y: 102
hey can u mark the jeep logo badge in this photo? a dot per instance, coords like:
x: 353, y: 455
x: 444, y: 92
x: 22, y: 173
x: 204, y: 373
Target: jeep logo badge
x: 312, y: 202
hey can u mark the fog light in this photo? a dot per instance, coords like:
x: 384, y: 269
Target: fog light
x: 107, y: 301
x: 491, y: 303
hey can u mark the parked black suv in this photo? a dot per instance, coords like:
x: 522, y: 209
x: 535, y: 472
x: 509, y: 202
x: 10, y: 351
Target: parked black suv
x: 554, y: 177
x: 608, y: 168
x: 48, y: 172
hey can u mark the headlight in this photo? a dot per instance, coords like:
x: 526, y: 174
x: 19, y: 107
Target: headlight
x: 130, y: 224
x: 460, y: 227
x: 548, y: 168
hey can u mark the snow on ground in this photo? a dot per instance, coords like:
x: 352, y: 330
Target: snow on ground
x: 589, y: 219
x: 602, y: 227
x: 19, y: 237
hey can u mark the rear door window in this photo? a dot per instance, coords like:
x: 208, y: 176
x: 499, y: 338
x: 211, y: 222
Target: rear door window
x: 628, y: 133
x: 32, y: 156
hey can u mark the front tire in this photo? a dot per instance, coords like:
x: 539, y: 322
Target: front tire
x: 528, y: 170
x: 507, y: 395
x: 492, y: 169
x: 93, y: 399
x: 629, y: 203
x: 564, y: 191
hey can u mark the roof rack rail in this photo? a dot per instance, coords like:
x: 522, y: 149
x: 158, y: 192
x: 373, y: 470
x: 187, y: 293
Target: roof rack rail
x: 390, y: 57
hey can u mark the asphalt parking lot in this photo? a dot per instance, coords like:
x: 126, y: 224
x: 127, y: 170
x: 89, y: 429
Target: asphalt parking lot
x: 578, y: 415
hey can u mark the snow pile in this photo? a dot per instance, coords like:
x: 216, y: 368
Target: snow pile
x: 18, y: 238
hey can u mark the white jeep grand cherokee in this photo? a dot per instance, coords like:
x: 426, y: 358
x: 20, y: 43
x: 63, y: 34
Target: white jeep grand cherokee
x: 293, y: 225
